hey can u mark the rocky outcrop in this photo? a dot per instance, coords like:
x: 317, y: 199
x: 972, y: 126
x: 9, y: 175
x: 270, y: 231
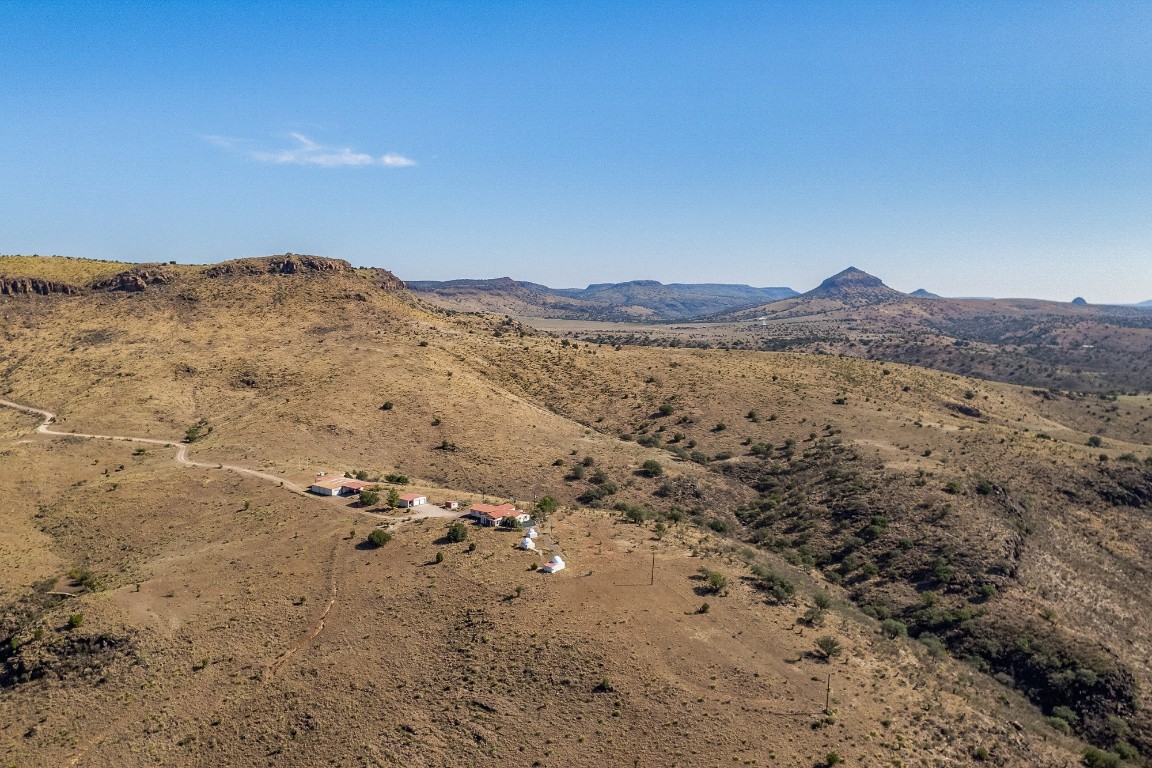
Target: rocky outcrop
x: 18, y: 286
x: 287, y: 264
x: 135, y: 279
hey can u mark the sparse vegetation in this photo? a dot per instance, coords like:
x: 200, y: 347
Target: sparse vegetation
x: 379, y: 537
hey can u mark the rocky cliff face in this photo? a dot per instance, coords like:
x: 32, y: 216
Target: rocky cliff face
x: 17, y: 286
x: 135, y: 279
x: 287, y: 264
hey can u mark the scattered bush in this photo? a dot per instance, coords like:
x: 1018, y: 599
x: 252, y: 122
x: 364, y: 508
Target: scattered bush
x: 75, y: 620
x: 716, y: 582
x: 457, y: 532
x: 652, y: 468
x: 1096, y: 758
x: 893, y: 629
x: 1095, y: 441
x: 828, y: 646
x: 379, y: 537
x: 387, y: 406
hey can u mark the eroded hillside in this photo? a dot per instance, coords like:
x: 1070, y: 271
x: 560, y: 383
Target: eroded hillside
x: 965, y: 513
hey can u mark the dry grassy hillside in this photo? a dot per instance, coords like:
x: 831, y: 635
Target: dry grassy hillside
x: 207, y: 635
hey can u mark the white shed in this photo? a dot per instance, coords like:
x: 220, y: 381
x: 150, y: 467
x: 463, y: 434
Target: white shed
x: 527, y: 543
x: 530, y: 533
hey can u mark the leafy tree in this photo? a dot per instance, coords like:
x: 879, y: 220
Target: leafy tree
x: 546, y: 506
x: 379, y: 537
x: 369, y: 498
x: 822, y: 600
x: 393, y: 498
x: 457, y: 532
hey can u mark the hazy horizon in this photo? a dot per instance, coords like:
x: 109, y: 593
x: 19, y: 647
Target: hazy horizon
x: 1001, y: 150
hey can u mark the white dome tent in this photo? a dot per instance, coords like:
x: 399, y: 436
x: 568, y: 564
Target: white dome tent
x: 531, y: 533
x: 553, y: 565
x: 527, y: 543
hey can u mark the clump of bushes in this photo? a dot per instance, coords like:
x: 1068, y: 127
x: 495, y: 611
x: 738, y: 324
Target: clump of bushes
x: 379, y: 537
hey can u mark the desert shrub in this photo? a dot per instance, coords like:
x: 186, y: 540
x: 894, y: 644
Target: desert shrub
x: 633, y: 513
x: 369, y: 498
x: 379, y: 537
x: 1095, y: 441
x: 953, y: 487
x: 196, y: 431
x: 577, y: 472
x: 457, y: 532
x: 715, y: 581
x: 666, y: 409
x: 1097, y: 758
x: 75, y: 620
x: 85, y: 578
x: 1058, y: 724
x: 387, y: 406
x: 893, y: 629
x: 778, y: 588
x: 396, y: 478
x: 832, y: 758
x: 652, y: 468
x: 935, y: 646
x: 984, y: 487
x: 720, y: 427
x: 439, y: 557
x: 822, y: 600
x: 828, y: 646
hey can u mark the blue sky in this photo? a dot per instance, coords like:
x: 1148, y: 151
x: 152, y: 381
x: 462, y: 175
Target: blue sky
x: 970, y: 148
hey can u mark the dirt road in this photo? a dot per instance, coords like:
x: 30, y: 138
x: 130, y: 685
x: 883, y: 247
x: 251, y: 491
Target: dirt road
x: 181, y: 449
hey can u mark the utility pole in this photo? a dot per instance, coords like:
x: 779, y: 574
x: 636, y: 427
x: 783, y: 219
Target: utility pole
x: 652, y: 578
x: 828, y: 695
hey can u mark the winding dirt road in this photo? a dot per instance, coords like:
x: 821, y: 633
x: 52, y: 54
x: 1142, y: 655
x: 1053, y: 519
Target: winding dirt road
x: 181, y: 448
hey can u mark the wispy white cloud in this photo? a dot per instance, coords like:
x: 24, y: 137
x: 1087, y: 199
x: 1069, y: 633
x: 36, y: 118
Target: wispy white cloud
x: 309, y: 152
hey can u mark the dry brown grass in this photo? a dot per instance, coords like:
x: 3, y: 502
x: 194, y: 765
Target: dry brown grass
x: 434, y: 664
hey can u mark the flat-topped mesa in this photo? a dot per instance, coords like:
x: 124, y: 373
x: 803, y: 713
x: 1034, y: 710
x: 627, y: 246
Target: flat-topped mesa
x: 854, y: 285
x: 19, y: 286
x: 285, y: 264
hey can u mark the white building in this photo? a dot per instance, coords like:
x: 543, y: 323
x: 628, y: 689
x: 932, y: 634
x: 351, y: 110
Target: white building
x: 553, y: 565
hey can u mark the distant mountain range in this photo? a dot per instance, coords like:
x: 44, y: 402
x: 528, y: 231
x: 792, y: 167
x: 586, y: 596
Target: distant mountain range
x: 637, y: 300
x: 654, y: 302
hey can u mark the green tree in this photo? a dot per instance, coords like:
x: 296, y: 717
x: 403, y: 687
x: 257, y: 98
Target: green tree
x: 545, y: 507
x: 457, y: 532
x: 652, y: 468
x: 379, y: 537
x: 393, y: 498
x: 369, y: 498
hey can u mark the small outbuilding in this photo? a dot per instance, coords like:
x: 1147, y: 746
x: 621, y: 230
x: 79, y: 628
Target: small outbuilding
x: 412, y: 499
x: 530, y: 533
x: 451, y: 505
x: 527, y: 543
x: 553, y: 565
